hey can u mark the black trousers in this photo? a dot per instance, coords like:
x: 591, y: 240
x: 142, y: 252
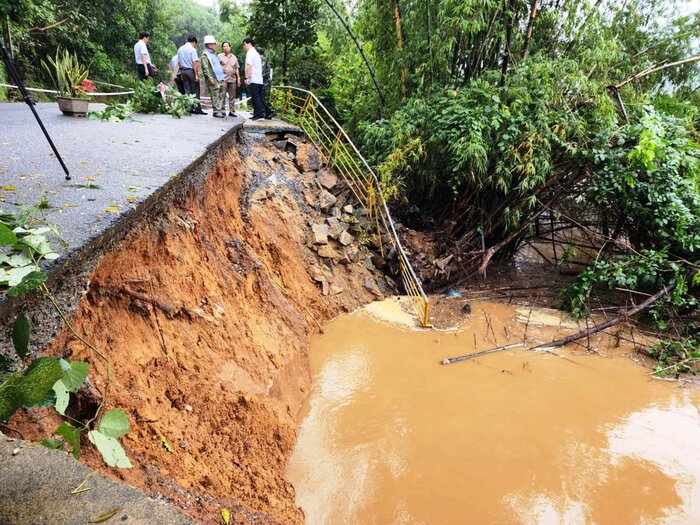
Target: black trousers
x: 141, y: 70
x: 256, y: 95
x: 191, y: 87
x: 179, y: 84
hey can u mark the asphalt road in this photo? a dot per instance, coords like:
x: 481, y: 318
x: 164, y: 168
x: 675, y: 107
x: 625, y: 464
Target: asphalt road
x: 114, y: 165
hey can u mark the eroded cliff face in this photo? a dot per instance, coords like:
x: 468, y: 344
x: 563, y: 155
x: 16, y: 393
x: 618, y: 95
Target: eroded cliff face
x: 205, y: 312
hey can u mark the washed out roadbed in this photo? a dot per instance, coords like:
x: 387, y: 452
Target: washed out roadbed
x: 205, y: 308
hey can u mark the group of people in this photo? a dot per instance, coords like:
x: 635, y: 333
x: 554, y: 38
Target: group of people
x: 220, y: 73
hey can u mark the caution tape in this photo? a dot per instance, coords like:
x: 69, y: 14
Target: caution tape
x: 39, y: 90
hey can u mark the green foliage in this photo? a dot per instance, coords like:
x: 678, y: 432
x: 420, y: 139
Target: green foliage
x: 25, y: 248
x: 677, y: 356
x: 113, y: 425
x: 646, y: 182
x: 113, y: 113
x: 28, y: 387
x: 102, y: 34
x: 71, y: 435
x: 20, y: 336
x: 490, y: 150
x: 650, y: 183
x: 47, y: 381
x: 147, y: 99
x: 283, y: 26
x: 67, y: 73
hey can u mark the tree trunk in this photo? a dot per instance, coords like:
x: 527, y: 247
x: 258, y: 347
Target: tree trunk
x: 509, y: 37
x: 455, y: 55
x: 359, y: 48
x: 285, y: 60
x: 530, y: 24
x: 430, y: 40
x: 7, y: 35
x: 399, y: 45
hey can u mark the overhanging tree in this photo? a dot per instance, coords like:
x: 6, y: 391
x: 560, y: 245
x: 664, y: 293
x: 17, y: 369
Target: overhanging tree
x: 285, y: 25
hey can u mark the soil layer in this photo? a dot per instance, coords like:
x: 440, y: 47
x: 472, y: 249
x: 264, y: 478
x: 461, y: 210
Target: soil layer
x: 205, y: 313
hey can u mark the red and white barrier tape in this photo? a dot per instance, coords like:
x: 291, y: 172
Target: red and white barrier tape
x: 130, y: 92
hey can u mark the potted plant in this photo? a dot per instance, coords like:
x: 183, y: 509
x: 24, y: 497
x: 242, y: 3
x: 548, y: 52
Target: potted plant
x: 69, y: 78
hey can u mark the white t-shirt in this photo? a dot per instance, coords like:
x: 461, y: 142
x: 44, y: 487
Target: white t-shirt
x: 141, y: 49
x: 253, y: 58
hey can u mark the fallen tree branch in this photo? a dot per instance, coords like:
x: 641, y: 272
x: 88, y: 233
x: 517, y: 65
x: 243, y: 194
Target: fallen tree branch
x: 655, y: 69
x: 451, y: 360
x: 602, y: 326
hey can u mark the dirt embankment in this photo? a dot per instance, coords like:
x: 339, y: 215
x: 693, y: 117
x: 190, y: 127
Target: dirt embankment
x: 205, y: 313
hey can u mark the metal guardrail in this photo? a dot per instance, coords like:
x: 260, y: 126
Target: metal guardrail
x: 304, y: 109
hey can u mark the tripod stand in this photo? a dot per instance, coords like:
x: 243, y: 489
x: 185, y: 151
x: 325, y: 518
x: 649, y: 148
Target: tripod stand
x: 29, y: 101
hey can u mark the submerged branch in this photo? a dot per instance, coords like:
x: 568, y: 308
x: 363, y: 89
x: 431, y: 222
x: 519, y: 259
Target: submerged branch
x: 602, y: 326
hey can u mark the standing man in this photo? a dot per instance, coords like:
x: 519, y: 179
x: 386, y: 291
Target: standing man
x: 213, y: 75
x: 253, y: 77
x: 144, y: 68
x: 188, y: 61
x: 232, y: 78
x: 175, y: 73
x: 267, y: 85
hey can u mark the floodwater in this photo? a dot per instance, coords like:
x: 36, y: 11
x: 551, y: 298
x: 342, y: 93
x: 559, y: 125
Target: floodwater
x: 391, y: 436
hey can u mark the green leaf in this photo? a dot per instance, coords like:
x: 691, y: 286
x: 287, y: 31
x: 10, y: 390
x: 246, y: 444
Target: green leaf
x: 226, y: 515
x: 37, y: 242
x: 19, y: 260
x: 166, y: 445
x: 9, y: 396
x: 28, y: 387
x: 51, y: 443
x: 29, y: 283
x: 20, y: 335
x: 62, y: 397
x: 7, y: 236
x: 72, y: 437
x: 114, y: 423
x: 38, y: 379
x: 111, y: 450
x: 14, y: 276
x: 74, y: 373
x: 49, y: 400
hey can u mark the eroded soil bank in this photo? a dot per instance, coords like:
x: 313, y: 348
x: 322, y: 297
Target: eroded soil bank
x: 205, y: 313
x: 581, y: 435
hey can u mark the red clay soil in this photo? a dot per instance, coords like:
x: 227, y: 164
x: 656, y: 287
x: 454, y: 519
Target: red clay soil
x: 205, y: 314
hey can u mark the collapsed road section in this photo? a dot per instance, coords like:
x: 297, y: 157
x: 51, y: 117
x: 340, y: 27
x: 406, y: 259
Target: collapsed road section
x: 204, y: 301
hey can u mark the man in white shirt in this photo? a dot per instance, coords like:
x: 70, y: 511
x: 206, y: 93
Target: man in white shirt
x: 253, y: 77
x: 144, y: 67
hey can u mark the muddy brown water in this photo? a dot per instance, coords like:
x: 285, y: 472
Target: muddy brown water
x: 390, y: 436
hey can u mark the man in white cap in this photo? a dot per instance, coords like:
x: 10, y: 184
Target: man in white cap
x: 213, y: 75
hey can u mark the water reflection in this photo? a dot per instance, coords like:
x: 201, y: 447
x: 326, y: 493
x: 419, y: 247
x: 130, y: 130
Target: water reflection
x: 390, y: 436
